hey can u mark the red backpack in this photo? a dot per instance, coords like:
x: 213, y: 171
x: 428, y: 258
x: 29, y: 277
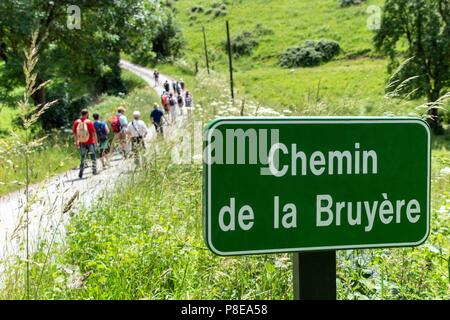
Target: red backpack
x: 115, y: 124
x: 164, y: 100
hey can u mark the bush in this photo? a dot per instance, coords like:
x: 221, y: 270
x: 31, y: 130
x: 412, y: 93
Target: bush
x: 219, y: 13
x: 217, y: 9
x: 309, y: 54
x: 301, y: 57
x: 168, y: 40
x: 347, y: 3
x: 243, y: 44
x: 328, y: 48
x: 170, y: 4
x: 63, y: 113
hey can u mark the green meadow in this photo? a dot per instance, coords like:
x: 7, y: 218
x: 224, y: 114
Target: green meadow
x: 358, y: 73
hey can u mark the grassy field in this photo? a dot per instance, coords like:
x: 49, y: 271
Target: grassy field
x: 357, y: 75
x: 290, y: 23
x: 57, y: 154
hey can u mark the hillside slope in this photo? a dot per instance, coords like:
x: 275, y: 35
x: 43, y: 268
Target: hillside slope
x: 355, y: 78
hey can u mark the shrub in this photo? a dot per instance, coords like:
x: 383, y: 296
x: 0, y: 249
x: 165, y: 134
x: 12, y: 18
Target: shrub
x: 170, y: 4
x: 301, y: 57
x: 63, y: 113
x: 347, y: 3
x: 217, y: 9
x: 328, y: 48
x: 243, y: 43
x: 309, y: 54
x: 168, y: 40
x: 219, y: 13
x: 197, y: 9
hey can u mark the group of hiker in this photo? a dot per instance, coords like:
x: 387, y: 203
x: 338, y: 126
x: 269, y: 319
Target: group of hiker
x: 92, y: 137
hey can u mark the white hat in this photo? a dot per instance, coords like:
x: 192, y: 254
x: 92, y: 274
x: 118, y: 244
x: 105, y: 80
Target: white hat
x: 136, y: 114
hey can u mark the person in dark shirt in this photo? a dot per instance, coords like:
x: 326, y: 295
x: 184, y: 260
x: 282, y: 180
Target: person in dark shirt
x: 167, y: 86
x: 102, y: 130
x: 156, y: 76
x: 157, y: 117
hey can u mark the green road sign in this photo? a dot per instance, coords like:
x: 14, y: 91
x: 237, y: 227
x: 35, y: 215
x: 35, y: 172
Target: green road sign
x: 302, y: 184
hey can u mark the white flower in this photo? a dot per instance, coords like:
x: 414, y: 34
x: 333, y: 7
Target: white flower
x: 157, y: 229
x: 268, y: 111
x: 445, y: 171
x: 443, y: 209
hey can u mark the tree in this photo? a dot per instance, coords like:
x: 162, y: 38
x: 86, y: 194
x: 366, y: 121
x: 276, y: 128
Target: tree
x: 419, y: 30
x: 78, y: 61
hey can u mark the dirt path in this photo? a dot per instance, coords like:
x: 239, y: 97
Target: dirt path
x: 46, y: 216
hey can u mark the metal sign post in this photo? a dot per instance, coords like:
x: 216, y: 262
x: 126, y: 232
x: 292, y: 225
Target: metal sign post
x: 314, y: 275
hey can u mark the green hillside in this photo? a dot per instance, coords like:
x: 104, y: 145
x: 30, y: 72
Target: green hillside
x: 356, y: 74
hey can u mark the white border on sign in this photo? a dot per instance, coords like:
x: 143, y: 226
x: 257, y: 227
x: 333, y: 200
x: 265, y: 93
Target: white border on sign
x: 314, y: 120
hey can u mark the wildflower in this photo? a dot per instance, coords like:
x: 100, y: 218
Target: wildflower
x: 443, y: 209
x: 157, y: 229
x: 445, y: 171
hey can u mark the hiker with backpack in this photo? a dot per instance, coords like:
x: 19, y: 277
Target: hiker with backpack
x: 188, y: 102
x: 137, y: 130
x: 102, y: 132
x: 174, y: 86
x: 85, y: 138
x: 172, y: 108
x: 167, y: 86
x: 182, y: 85
x: 119, y: 124
x: 178, y: 88
x: 157, y: 117
x: 156, y: 76
x: 165, y: 101
x: 180, y: 102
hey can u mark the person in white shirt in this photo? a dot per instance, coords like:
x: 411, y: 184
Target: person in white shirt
x: 119, y: 126
x: 137, y: 130
x: 173, y: 109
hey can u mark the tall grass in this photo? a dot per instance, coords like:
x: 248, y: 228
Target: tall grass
x: 30, y: 114
x: 55, y: 155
